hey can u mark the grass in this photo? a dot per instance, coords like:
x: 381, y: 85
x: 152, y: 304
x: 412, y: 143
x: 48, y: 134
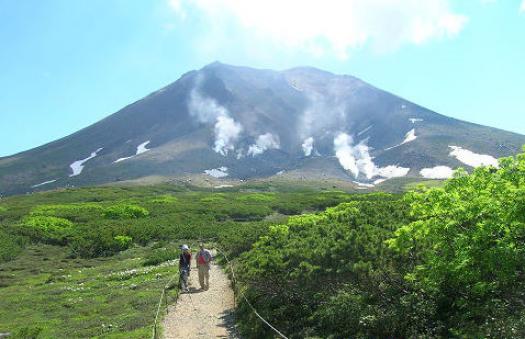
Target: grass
x: 45, y: 294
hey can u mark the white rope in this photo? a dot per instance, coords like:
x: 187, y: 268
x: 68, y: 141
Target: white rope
x: 248, y: 302
x: 240, y: 291
x: 162, y: 295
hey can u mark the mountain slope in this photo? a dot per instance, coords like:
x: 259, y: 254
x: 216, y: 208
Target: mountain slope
x: 257, y: 123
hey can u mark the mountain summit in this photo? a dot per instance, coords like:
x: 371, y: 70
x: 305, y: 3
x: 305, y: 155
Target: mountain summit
x: 240, y: 123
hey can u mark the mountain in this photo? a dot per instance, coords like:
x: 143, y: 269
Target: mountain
x: 240, y: 123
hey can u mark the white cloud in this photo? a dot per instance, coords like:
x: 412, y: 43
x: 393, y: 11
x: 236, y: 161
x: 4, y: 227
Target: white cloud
x: 330, y: 26
x: 522, y: 7
x: 264, y: 142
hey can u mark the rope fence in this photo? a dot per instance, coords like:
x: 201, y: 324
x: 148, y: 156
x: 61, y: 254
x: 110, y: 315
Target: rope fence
x: 162, y: 297
x: 246, y: 299
x: 235, y: 292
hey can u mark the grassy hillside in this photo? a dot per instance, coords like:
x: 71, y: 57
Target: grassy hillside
x: 92, y: 261
x: 438, y: 262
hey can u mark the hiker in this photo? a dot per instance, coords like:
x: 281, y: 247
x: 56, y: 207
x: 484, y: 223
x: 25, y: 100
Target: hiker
x: 203, y: 260
x: 185, y: 267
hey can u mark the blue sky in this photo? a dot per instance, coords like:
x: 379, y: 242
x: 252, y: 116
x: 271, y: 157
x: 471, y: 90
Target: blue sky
x: 66, y: 64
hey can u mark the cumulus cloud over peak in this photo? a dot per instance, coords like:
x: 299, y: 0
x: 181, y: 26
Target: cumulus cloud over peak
x: 331, y: 26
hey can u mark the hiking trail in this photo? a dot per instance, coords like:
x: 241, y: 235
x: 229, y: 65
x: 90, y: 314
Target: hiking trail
x: 203, y: 314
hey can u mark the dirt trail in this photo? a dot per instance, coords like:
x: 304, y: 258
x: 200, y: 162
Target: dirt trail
x: 203, y: 314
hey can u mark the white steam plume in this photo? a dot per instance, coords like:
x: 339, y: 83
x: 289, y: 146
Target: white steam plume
x: 357, y: 160
x: 345, y: 153
x: 208, y: 111
x: 264, y: 142
x: 227, y: 132
x: 308, y: 146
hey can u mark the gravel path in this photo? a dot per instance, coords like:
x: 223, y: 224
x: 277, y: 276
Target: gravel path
x: 203, y: 314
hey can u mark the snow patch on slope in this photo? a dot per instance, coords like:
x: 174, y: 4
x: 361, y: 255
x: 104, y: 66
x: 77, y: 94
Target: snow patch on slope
x: 438, y: 172
x: 357, y: 160
x: 414, y: 120
x: 409, y: 137
x: 220, y: 172
x: 473, y: 159
x: 365, y: 130
x: 140, y: 149
x: 263, y: 143
x: 44, y: 183
x: 308, y: 146
x: 379, y: 181
x: 78, y: 165
x: 362, y: 185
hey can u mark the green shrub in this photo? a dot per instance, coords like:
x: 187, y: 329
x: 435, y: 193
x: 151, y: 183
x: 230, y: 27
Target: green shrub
x: 3, y: 209
x: 256, y: 197
x: 48, y: 229
x: 125, y: 211
x: 68, y: 210
x: 123, y: 242
x: 159, y: 256
x: 215, y: 198
x: 469, y: 239
x: 28, y: 332
x: 164, y: 199
x: 10, y: 246
x: 98, y: 242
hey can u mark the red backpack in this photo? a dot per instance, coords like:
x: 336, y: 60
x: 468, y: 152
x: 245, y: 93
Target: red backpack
x: 201, y: 260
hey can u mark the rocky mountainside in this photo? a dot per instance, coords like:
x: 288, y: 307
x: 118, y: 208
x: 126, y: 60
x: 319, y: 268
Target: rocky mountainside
x: 240, y: 123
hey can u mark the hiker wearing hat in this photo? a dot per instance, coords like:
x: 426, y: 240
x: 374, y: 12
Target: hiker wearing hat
x: 203, y: 260
x: 184, y: 267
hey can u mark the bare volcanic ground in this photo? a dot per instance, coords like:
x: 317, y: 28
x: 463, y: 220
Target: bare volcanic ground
x: 203, y: 314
